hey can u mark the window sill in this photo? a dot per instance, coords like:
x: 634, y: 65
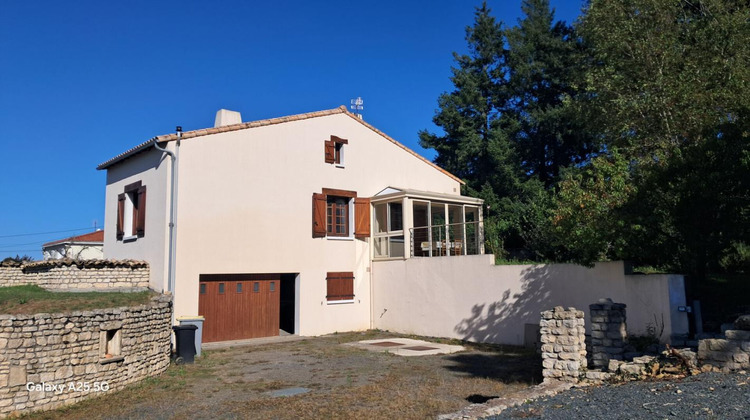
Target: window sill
x: 340, y: 166
x: 129, y: 238
x: 339, y: 302
x: 340, y: 238
x: 106, y: 360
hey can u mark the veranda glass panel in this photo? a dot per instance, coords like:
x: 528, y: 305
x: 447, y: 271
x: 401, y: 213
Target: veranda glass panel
x: 396, y: 245
x: 439, y: 234
x: 456, y: 230
x: 380, y: 246
x: 421, y: 235
x: 381, y: 218
x: 471, y: 215
x: 396, y: 222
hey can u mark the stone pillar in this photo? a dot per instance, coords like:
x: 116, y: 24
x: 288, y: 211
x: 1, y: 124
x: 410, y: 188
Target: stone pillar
x: 563, y: 344
x: 608, y: 332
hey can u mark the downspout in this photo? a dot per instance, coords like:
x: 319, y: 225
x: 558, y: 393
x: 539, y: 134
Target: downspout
x: 171, y: 252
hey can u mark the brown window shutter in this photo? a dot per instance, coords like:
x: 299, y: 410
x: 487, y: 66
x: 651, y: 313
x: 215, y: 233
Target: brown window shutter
x: 120, y: 215
x: 362, y: 217
x: 340, y: 286
x: 330, y: 151
x: 140, y: 220
x: 319, y: 215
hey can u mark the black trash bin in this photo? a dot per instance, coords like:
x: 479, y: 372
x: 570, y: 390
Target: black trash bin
x: 185, y: 339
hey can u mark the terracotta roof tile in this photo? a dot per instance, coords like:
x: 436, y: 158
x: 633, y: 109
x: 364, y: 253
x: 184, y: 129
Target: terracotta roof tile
x: 96, y: 236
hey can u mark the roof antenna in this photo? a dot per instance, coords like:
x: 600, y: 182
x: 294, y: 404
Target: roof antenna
x: 357, y: 106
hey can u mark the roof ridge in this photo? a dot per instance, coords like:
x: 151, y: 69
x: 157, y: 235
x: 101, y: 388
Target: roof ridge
x: 266, y: 122
x: 221, y: 129
x: 397, y: 143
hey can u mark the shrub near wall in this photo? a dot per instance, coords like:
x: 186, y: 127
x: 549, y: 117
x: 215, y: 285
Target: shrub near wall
x: 50, y: 360
x: 74, y: 275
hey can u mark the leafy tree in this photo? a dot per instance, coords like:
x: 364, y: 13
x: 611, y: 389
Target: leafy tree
x: 472, y: 146
x: 588, y: 218
x: 669, y: 84
x: 546, y: 66
x: 505, y: 140
x: 666, y: 71
x: 17, y: 259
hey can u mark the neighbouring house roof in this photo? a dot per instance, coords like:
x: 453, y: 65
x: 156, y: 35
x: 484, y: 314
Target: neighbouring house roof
x: 88, y: 238
x: 261, y: 123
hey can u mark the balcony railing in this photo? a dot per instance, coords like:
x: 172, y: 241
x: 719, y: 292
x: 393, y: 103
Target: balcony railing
x: 447, y: 240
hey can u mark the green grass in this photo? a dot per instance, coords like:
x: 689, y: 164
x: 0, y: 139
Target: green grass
x: 648, y: 269
x: 31, y: 299
x: 504, y: 261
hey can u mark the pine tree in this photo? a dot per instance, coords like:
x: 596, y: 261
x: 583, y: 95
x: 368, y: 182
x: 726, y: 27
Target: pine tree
x: 546, y: 70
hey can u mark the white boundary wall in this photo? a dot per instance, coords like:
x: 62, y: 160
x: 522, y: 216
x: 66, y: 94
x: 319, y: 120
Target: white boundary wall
x: 472, y: 299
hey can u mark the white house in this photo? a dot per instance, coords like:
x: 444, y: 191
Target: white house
x: 88, y: 246
x: 274, y: 225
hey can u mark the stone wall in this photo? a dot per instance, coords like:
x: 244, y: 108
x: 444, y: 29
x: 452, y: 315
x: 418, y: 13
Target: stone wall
x: 563, y: 344
x: 608, y: 332
x: 727, y: 354
x: 82, y: 354
x: 78, y: 275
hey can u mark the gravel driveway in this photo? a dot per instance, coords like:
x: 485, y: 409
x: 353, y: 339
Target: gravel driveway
x: 705, y: 396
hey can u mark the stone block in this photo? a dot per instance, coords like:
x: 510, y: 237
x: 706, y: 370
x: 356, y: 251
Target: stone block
x: 644, y: 360
x: 719, y: 344
x: 703, y: 347
x: 719, y: 356
x: 614, y: 365
x: 569, y: 356
x: 599, y: 319
x: 741, y: 357
x: 730, y: 366
x: 737, y: 335
x: 17, y: 376
x: 742, y: 323
x: 631, y: 368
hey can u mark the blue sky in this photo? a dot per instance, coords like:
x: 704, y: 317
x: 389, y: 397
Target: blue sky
x: 82, y: 81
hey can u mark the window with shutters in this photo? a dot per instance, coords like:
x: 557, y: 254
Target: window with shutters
x: 131, y: 212
x: 340, y: 214
x: 334, y: 151
x: 340, y: 287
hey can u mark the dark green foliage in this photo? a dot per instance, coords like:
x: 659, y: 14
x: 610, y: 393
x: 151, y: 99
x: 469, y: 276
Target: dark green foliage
x: 17, y: 260
x: 669, y: 82
x: 624, y: 137
x: 507, y: 130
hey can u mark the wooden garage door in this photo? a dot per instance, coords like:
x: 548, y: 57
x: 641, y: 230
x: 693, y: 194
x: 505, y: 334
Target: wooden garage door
x: 238, y: 306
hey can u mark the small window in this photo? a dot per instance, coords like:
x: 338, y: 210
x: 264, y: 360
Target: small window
x: 273, y: 286
x: 239, y: 287
x: 340, y: 286
x: 221, y: 288
x: 338, y: 158
x: 337, y: 214
x: 256, y: 287
x: 203, y: 288
x: 131, y: 212
x: 110, y: 345
x: 395, y: 216
x: 334, y: 150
